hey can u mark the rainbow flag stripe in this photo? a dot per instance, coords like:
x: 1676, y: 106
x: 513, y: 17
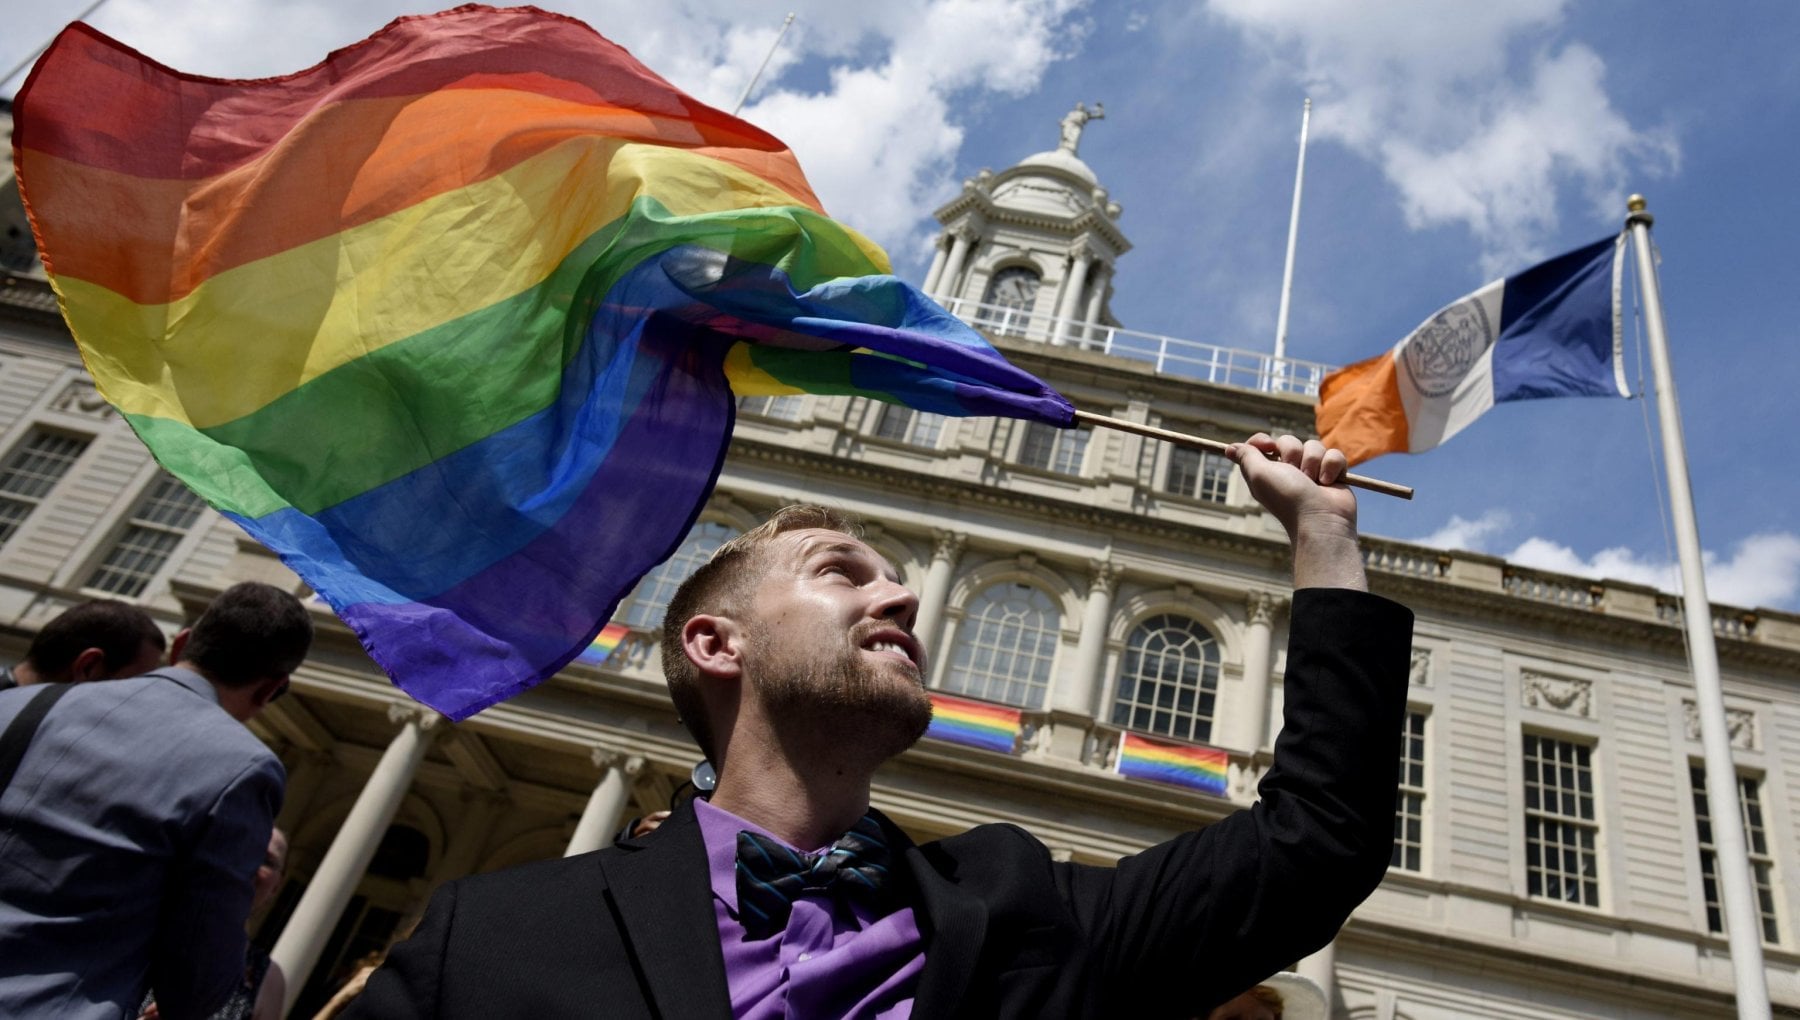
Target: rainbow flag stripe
x: 1190, y: 765
x: 975, y: 723
x: 601, y: 648
x: 452, y: 320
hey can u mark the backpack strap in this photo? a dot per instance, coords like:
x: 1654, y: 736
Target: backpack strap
x: 23, y: 727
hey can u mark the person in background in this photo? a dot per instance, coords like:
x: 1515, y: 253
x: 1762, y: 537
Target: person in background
x: 1282, y: 996
x: 259, y: 996
x: 134, y: 823
x: 100, y: 640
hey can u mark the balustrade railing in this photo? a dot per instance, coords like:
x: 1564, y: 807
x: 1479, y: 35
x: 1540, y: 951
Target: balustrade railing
x: 1191, y: 359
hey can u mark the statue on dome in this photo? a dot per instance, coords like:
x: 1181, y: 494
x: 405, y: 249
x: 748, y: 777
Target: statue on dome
x: 1073, y: 123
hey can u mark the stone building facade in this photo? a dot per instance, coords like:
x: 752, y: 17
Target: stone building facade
x: 1548, y: 859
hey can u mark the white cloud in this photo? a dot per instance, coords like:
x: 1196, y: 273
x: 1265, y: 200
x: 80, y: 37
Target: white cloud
x: 1763, y: 570
x: 1467, y: 535
x: 1473, y: 113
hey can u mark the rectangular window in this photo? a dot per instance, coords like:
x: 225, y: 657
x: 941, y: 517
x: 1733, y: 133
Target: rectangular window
x: 1561, y: 828
x: 1201, y: 474
x: 782, y: 408
x: 1409, y: 815
x: 1053, y: 449
x: 918, y: 428
x: 30, y: 474
x: 157, y: 526
x: 1756, y: 839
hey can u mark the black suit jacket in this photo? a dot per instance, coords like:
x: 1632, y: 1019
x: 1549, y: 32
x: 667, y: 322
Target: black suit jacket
x: 629, y: 931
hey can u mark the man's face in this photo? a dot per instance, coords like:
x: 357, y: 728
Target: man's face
x: 830, y: 640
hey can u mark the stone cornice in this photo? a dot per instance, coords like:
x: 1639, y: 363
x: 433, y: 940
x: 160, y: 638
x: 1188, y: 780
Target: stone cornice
x: 1088, y: 219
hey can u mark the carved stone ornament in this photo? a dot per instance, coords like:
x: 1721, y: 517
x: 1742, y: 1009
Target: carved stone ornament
x: 405, y: 712
x: 1262, y: 606
x: 81, y: 398
x: 1419, y: 672
x: 1558, y: 694
x: 948, y: 545
x: 1740, y: 722
x: 1104, y: 576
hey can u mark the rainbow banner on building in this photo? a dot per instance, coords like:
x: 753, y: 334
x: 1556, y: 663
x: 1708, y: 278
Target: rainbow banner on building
x: 975, y: 723
x: 1190, y: 765
x: 451, y: 321
x: 601, y: 648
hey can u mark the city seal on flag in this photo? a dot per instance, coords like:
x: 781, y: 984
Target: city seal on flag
x: 1444, y: 350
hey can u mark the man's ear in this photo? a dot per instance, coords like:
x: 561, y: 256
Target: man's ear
x: 89, y: 664
x: 266, y: 690
x: 178, y: 645
x: 715, y: 645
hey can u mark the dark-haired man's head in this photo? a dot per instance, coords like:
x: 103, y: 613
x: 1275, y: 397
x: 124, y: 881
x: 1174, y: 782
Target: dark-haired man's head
x: 801, y: 623
x: 247, y: 643
x: 100, y: 640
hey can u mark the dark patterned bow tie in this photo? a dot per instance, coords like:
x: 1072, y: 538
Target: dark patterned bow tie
x: 770, y: 877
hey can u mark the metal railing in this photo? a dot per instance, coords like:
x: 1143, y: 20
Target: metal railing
x: 1191, y: 359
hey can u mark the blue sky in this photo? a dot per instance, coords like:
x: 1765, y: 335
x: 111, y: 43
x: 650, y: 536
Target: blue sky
x: 1451, y: 144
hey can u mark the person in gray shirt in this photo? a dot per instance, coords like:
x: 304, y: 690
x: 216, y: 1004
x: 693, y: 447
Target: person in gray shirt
x: 133, y: 826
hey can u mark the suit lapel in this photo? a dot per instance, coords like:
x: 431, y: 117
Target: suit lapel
x: 954, y: 924
x: 662, y: 895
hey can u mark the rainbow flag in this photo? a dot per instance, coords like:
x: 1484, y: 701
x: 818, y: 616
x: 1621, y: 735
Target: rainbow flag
x: 451, y: 320
x: 1190, y: 765
x: 601, y: 648
x: 975, y: 723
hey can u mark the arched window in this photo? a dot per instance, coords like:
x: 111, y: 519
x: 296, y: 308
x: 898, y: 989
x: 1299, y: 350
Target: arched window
x: 1011, y: 293
x: 1168, y: 679
x: 1005, y: 646
x: 645, y: 606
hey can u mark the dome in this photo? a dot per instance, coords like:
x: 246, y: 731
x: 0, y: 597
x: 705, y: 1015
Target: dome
x: 1061, y: 159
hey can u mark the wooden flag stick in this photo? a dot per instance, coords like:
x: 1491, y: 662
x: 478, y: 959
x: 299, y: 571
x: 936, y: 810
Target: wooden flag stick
x: 1195, y: 442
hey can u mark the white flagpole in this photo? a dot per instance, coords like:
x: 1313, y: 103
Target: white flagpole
x: 1737, y: 893
x: 1287, y: 273
x: 764, y: 66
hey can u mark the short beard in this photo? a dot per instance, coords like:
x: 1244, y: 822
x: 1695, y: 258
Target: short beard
x: 845, y: 703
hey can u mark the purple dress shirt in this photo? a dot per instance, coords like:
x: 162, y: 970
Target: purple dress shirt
x: 835, y: 959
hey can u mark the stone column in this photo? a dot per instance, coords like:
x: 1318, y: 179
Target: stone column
x: 936, y: 275
x: 1321, y: 969
x: 948, y: 549
x: 342, y: 870
x: 1253, y: 716
x: 1081, y: 695
x: 1071, y: 297
x: 962, y: 240
x: 1096, y: 299
x: 606, y: 806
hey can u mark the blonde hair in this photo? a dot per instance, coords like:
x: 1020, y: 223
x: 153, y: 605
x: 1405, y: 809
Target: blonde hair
x: 720, y: 587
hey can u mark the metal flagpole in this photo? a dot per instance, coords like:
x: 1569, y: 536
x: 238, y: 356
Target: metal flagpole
x: 1737, y: 893
x: 785, y: 23
x: 1287, y: 273
x: 28, y: 61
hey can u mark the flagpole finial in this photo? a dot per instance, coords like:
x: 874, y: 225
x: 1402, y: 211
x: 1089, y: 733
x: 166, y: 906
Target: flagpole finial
x: 1636, y: 203
x: 1638, y: 211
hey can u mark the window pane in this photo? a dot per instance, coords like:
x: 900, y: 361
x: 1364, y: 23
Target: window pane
x: 1005, y: 646
x: 646, y: 605
x: 1168, y: 657
x: 1562, y: 861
